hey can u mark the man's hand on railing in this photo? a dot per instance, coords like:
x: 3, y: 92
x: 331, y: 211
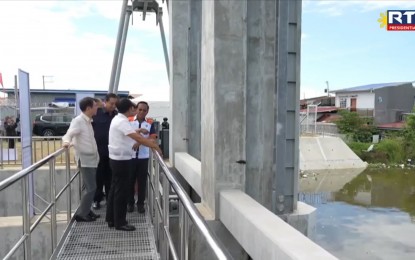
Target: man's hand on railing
x: 156, y: 147
x: 66, y: 145
x: 159, y: 151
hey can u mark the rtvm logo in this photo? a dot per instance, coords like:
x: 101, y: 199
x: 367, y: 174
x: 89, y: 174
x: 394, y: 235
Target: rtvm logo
x: 398, y: 20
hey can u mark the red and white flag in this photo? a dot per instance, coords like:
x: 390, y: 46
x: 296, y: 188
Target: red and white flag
x: 1, y: 81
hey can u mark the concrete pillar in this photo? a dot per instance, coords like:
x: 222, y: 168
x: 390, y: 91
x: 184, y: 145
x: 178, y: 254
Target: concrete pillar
x: 194, y: 146
x: 287, y: 100
x: 223, y: 82
x: 260, y: 112
x: 273, y: 70
x: 250, y: 100
x: 179, y: 16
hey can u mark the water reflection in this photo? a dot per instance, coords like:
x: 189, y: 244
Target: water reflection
x: 371, y: 216
x: 328, y: 180
x: 386, y: 189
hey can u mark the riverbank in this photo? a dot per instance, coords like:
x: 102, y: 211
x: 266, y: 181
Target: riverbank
x: 393, y: 152
x: 390, y: 166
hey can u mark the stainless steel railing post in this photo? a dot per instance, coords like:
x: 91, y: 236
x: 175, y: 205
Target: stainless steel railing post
x: 157, y: 201
x: 150, y: 188
x: 52, y: 172
x: 69, y: 191
x: 166, y: 215
x: 184, y: 233
x: 34, y: 143
x: 79, y: 181
x: 1, y: 147
x: 26, y: 219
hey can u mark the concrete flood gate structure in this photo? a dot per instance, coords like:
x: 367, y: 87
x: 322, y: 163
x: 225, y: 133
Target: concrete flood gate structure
x: 234, y: 70
x: 234, y: 76
x: 323, y: 153
x: 234, y: 135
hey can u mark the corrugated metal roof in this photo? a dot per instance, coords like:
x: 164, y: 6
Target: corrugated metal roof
x: 320, y: 109
x: 370, y: 87
x: 392, y: 126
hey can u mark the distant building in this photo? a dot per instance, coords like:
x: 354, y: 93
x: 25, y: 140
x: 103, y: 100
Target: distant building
x: 385, y: 102
x: 324, y: 112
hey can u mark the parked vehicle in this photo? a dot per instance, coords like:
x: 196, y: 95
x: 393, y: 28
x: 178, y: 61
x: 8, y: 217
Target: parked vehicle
x: 55, y: 124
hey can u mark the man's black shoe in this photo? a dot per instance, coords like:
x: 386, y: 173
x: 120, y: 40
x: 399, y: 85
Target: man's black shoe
x: 130, y: 208
x: 125, y: 228
x: 141, y: 209
x: 96, y: 205
x: 111, y: 224
x: 93, y: 215
x: 84, y: 219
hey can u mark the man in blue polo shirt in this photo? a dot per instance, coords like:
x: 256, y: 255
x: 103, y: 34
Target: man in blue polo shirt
x: 140, y: 158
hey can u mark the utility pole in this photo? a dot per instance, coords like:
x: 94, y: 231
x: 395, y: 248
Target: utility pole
x: 327, y: 89
x: 43, y: 79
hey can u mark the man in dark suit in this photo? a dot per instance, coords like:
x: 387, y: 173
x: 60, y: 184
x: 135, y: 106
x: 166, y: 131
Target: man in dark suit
x: 101, y: 123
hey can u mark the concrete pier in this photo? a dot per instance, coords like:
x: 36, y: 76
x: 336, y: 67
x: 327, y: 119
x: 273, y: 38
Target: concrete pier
x: 235, y: 93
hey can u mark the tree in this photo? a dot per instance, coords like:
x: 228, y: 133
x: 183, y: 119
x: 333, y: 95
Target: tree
x: 354, y: 126
x: 409, y: 135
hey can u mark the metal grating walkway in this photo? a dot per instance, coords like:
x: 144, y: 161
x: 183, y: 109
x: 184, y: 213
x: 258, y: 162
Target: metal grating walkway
x: 95, y: 240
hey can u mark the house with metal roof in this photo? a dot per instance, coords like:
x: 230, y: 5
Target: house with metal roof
x: 385, y: 102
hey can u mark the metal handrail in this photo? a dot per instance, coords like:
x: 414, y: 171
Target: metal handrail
x: 41, y: 146
x: 185, y: 206
x: 14, y: 178
x: 23, y: 175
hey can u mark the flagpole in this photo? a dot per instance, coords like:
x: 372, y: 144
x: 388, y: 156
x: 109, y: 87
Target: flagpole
x: 1, y: 82
x: 16, y: 95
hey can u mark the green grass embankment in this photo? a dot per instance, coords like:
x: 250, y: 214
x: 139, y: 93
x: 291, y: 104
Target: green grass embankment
x: 388, y: 151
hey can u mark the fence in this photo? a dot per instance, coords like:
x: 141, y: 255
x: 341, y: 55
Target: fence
x: 42, y: 146
x: 324, y: 129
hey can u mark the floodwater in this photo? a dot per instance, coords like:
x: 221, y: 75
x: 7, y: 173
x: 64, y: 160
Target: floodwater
x: 367, y: 215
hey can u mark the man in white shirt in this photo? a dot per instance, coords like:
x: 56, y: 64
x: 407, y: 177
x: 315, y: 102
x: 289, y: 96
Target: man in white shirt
x: 122, y: 138
x: 81, y: 135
